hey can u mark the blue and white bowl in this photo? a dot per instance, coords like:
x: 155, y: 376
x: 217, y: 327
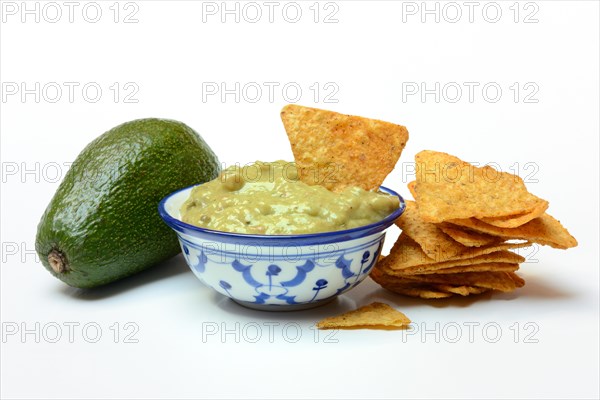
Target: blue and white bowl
x: 278, y: 272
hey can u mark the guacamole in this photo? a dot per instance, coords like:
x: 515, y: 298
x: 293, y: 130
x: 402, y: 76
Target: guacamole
x: 269, y: 199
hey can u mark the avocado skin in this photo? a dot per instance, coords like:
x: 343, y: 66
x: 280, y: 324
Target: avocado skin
x: 103, y: 219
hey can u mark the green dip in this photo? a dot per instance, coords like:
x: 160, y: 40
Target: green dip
x: 267, y: 198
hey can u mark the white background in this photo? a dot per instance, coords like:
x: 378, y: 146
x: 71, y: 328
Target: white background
x: 540, y: 341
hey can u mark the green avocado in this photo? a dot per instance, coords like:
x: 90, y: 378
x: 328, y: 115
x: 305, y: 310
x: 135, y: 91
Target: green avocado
x: 102, y: 224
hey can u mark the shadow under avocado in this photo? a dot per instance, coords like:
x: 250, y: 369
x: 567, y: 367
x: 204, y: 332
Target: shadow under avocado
x: 164, y: 270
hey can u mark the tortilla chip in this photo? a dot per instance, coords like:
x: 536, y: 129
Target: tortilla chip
x: 514, y: 221
x: 467, y: 237
x: 519, y: 282
x: 422, y: 291
x: 373, y: 316
x: 336, y: 150
x: 448, y: 188
x: 478, y: 290
x: 499, y: 256
x: 480, y: 267
x: 501, y: 281
x: 435, y: 243
x: 543, y: 230
x: 407, y: 253
x: 462, y: 290
x: 434, y: 291
x: 412, y: 289
x: 411, y: 188
x: 435, y: 286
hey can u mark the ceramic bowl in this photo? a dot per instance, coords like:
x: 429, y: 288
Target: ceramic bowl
x: 278, y: 272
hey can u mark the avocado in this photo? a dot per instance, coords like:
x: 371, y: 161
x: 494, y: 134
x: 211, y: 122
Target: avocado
x: 102, y: 224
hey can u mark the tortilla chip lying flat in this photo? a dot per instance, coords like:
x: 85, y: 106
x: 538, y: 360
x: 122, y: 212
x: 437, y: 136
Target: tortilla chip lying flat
x: 448, y: 188
x: 422, y: 291
x: 434, y: 286
x: 462, y: 290
x: 501, y: 281
x: 467, y: 237
x: 373, y: 316
x: 407, y: 253
x: 513, y: 221
x: 544, y: 230
x: 337, y: 151
x: 407, y: 288
x: 479, y: 267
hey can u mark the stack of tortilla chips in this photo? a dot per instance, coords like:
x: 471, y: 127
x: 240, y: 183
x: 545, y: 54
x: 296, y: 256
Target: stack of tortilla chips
x: 457, y: 234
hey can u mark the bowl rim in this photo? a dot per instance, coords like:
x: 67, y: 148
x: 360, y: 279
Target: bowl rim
x: 176, y: 223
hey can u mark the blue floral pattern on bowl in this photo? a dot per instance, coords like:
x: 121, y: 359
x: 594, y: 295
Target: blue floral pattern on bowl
x: 278, y: 272
x: 283, y: 281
